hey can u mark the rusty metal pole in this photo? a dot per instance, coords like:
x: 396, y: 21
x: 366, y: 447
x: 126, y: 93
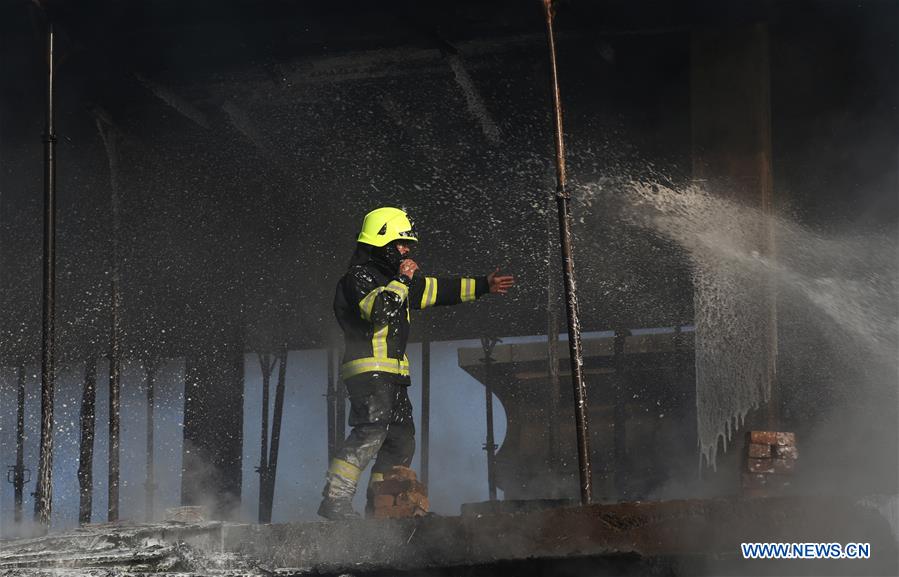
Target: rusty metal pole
x: 19, y: 470
x: 490, y: 445
x: 425, y: 411
x: 571, y: 304
x: 43, y: 502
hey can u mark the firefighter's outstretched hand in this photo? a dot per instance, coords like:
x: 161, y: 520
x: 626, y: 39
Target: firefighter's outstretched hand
x: 408, y: 267
x: 500, y: 284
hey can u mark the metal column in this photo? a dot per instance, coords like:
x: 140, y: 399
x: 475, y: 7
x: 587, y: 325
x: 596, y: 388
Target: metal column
x: 88, y: 431
x: 571, y: 302
x: 18, y: 470
x: 490, y: 445
x: 43, y: 501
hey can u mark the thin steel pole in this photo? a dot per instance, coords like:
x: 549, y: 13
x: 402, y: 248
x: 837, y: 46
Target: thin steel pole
x: 43, y: 502
x: 150, y: 485
x: 108, y: 134
x: 425, y: 410
x: 277, y: 415
x: 88, y: 430
x: 19, y: 472
x: 266, y: 364
x: 490, y: 445
x: 571, y: 302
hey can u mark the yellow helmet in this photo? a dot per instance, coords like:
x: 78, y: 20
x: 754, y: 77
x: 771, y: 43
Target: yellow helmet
x: 385, y: 225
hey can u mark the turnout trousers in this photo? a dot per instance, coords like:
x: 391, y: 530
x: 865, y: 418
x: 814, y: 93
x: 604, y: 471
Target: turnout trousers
x: 381, y: 418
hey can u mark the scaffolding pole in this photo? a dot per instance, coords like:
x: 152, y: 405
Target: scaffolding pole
x: 563, y: 198
x: 490, y: 445
x: 43, y: 501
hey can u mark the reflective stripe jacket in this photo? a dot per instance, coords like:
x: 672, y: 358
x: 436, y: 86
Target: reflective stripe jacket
x: 373, y: 310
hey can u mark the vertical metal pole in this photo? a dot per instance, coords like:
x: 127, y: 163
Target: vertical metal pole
x: 150, y: 488
x: 115, y: 337
x: 425, y: 410
x: 88, y: 430
x: 43, y: 502
x: 490, y: 446
x: 571, y: 303
x: 271, y: 474
x: 19, y: 473
x: 266, y: 364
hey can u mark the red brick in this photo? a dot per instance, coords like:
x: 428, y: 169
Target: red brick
x: 758, y: 451
x: 786, y: 439
x: 417, y: 499
x: 759, y: 465
x: 785, y: 452
x: 763, y: 437
x: 397, y: 486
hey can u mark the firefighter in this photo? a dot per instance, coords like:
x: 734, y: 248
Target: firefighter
x: 372, y: 304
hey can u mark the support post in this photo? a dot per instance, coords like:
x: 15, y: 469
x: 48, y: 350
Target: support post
x: 266, y: 364
x: 88, y: 431
x: 568, y: 271
x: 19, y: 469
x: 109, y: 137
x: 425, y: 411
x: 43, y: 502
x: 490, y: 446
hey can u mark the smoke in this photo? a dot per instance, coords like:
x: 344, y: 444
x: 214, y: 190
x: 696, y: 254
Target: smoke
x: 836, y: 303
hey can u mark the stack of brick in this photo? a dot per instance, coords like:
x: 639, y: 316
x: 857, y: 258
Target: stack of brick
x: 399, y: 495
x: 770, y: 461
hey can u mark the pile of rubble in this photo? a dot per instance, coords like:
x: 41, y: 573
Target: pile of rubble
x: 399, y: 495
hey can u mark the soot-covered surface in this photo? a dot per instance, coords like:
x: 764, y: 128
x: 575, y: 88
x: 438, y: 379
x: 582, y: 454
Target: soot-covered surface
x: 662, y: 538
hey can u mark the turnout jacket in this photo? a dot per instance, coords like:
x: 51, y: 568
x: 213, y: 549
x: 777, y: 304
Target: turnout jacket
x: 373, y: 306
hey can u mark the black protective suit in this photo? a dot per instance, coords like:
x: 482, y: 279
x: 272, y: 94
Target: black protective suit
x: 372, y: 304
